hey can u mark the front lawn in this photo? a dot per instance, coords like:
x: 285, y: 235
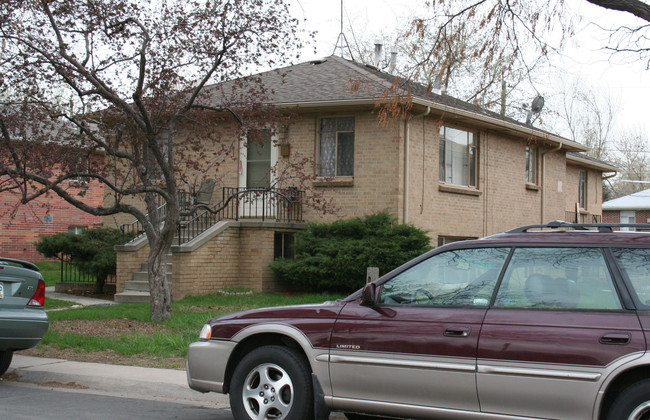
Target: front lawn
x: 51, y: 271
x: 123, y: 334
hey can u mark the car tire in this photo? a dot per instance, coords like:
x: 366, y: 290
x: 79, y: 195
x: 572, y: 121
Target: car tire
x: 272, y: 382
x: 5, y: 360
x: 633, y: 403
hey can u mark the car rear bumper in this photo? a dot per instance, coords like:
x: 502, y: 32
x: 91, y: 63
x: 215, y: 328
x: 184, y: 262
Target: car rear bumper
x: 22, y: 328
x: 206, y: 364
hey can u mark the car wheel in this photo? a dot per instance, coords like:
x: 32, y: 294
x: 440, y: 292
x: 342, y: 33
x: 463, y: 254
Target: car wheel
x: 272, y: 382
x: 633, y: 403
x: 5, y: 360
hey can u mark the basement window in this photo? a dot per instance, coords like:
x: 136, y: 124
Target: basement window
x: 283, y: 245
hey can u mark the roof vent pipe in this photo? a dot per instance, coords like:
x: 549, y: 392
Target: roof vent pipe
x: 378, y: 47
x: 393, y: 60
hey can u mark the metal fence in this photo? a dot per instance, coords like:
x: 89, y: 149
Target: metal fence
x: 71, y: 274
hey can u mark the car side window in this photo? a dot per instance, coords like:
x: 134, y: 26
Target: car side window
x: 566, y: 278
x: 464, y: 277
x: 635, y: 264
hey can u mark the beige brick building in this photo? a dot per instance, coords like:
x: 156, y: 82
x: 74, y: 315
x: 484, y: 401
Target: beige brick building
x: 444, y: 165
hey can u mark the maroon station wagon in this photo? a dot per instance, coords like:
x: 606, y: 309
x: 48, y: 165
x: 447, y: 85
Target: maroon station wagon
x: 544, y: 321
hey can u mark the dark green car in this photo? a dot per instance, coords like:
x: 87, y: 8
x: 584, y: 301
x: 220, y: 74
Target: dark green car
x: 23, y: 322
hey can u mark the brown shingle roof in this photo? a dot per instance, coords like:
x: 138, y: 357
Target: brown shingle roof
x: 335, y: 79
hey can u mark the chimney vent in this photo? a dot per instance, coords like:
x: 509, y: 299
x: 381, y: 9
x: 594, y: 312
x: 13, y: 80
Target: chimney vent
x: 378, y: 52
x: 393, y: 60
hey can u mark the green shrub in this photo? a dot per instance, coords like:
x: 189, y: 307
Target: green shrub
x: 334, y: 257
x: 90, y: 251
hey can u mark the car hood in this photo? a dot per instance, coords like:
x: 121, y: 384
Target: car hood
x: 328, y: 309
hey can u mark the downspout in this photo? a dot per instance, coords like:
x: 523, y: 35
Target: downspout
x: 543, y: 216
x: 407, y: 141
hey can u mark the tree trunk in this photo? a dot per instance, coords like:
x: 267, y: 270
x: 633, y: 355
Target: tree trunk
x: 99, y: 285
x: 159, y: 286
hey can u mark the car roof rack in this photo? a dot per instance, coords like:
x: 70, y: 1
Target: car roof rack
x: 24, y: 264
x: 600, y: 227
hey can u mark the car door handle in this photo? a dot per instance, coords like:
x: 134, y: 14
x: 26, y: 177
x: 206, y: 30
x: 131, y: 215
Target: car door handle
x: 615, y: 339
x: 457, y: 332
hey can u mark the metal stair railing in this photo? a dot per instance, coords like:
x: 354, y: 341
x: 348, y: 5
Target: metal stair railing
x: 254, y: 203
x: 134, y: 230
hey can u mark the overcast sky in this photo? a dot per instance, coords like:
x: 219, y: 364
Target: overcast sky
x: 627, y: 83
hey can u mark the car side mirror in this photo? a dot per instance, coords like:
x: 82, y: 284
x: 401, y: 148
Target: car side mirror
x: 368, y: 294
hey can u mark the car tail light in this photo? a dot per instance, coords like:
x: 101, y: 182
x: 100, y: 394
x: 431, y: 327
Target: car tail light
x: 39, y: 297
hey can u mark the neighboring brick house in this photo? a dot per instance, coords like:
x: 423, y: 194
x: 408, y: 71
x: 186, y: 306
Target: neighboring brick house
x: 633, y: 208
x: 22, y: 224
x: 447, y: 166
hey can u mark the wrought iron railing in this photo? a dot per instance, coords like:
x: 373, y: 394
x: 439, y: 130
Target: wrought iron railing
x: 283, y: 205
x: 134, y: 230
x: 573, y: 217
x: 71, y: 274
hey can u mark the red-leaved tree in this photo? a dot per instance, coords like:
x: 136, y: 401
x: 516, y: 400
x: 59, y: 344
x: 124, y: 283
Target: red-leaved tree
x: 127, y: 78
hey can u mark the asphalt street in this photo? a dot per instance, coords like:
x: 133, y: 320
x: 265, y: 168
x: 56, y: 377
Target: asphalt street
x: 20, y: 401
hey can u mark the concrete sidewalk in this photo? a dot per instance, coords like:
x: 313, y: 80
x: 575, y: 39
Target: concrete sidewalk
x: 124, y: 381
x: 79, y: 300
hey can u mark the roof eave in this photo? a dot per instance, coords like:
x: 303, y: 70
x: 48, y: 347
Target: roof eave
x: 514, y: 129
x: 627, y: 207
x: 511, y: 128
x: 591, y: 164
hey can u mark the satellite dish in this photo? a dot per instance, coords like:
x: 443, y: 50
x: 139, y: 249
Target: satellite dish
x: 537, y: 105
x: 535, y: 108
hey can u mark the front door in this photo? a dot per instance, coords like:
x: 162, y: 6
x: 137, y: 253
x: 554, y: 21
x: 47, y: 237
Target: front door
x: 258, y: 158
x: 418, y: 345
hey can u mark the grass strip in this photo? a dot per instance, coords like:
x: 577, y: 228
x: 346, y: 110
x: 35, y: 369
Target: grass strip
x: 57, y: 303
x: 126, y: 332
x: 51, y: 271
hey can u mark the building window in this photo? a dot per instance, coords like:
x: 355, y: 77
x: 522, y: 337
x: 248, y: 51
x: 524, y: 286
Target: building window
x: 283, y: 245
x: 457, y: 157
x: 628, y: 216
x: 336, y: 147
x: 531, y: 165
x: 582, y: 189
x: 76, y: 229
x: 78, y: 180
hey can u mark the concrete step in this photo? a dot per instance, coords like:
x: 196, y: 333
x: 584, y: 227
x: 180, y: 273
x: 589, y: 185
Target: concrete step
x: 131, y: 296
x: 137, y: 285
x: 145, y: 268
x: 144, y: 276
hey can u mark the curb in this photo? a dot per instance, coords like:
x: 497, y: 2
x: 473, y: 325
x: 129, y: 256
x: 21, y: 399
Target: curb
x: 128, y: 381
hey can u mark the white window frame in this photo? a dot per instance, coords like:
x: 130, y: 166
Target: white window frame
x: 582, y: 189
x: 627, y: 216
x: 531, y: 165
x: 469, y: 158
x: 335, y: 171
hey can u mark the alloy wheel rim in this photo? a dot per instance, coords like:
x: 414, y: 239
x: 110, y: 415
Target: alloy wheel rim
x: 268, y: 392
x: 641, y: 412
